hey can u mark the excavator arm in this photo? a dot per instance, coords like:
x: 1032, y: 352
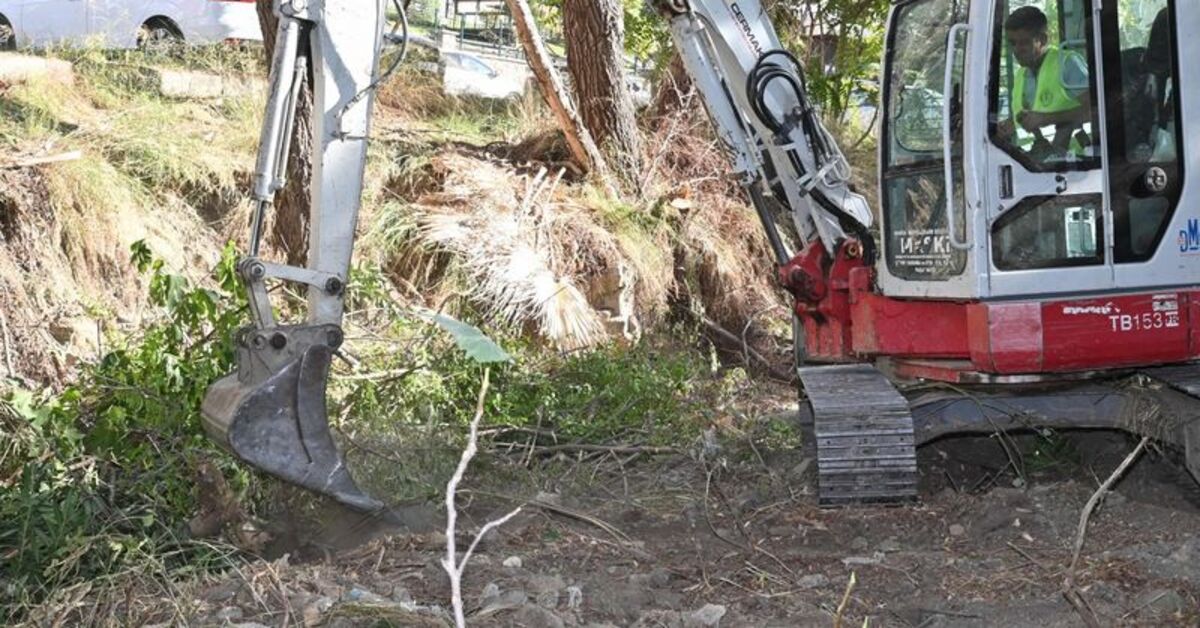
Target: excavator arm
x: 755, y: 93
x: 271, y: 412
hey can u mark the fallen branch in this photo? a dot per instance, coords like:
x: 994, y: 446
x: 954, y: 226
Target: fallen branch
x: 1081, y: 533
x: 1070, y: 592
x: 611, y: 449
x: 49, y: 159
x: 746, y: 349
x: 841, y: 609
x: 623, y: 540
x: 8, y: 364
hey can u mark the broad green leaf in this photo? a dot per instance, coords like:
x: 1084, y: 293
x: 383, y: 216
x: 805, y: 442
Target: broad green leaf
x: 477, y: 346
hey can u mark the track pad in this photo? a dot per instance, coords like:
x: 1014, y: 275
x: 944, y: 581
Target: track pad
x: 280, y: 425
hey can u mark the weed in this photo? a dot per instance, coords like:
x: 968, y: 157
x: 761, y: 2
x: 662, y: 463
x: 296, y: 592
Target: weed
x: 98, y: 477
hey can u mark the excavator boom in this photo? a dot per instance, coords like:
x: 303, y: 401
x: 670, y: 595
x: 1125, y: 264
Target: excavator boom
x: 272, y: 411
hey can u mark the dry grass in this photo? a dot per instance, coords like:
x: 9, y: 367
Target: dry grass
x: 152, y: 169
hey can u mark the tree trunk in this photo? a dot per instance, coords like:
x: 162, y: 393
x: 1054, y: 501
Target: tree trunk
x: 595, y: 34
x: 674, y: 89
x: 583, y: 149
x: 288, y: 230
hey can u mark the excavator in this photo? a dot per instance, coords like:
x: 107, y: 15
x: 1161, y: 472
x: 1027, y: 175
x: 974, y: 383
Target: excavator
x: 1035, y: 263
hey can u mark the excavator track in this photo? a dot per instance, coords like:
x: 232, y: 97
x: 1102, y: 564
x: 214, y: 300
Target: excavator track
x: 1183, y: 377
x: 866, y: 452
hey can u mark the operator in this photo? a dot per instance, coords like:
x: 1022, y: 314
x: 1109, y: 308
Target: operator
x: 1051, y: 87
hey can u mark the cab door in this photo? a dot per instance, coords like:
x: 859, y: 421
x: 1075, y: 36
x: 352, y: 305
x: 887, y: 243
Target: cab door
x: 1156, y: 226
x: 1047, y: 208
x: 51, y: 22
x: 926, y: 240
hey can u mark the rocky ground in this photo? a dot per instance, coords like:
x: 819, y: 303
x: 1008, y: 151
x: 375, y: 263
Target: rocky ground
x: 739, y: 541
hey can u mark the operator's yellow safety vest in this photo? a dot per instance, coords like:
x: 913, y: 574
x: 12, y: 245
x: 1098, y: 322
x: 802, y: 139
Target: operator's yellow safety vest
x: 1052, y: 96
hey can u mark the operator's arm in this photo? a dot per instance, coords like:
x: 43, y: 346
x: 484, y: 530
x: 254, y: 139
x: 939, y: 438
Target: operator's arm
x: 1074, y: 118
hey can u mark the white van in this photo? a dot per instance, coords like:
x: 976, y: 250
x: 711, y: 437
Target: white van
x: 124, y: 23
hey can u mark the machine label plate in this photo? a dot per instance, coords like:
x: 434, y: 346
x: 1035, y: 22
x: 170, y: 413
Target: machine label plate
x: 1135, y: 328
x: 923, y: 251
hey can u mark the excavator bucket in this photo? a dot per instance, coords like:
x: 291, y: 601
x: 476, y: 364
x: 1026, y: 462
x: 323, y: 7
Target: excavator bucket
x: 279, y: 424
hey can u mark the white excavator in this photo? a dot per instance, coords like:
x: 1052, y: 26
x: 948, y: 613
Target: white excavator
x: 1034, y: 262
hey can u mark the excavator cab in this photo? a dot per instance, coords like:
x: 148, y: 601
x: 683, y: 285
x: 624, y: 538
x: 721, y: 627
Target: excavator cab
x: 1031, y: 168
x: 1008, y: 172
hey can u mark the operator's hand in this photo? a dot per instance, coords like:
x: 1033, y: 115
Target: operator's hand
x: 1032, y: 121
x: 1005, y: 128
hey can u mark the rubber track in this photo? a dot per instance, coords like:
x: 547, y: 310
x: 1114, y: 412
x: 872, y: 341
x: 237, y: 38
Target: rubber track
x: 864, y: 434
x: 1184, y: 377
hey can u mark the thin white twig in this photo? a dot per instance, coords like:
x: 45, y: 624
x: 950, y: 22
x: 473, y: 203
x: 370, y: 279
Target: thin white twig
x: 8, y: 366
x: 454, y: 567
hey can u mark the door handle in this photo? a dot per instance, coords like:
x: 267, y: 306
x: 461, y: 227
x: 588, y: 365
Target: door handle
x: 1156, y: 180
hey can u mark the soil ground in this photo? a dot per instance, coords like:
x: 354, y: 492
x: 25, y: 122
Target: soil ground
x: 731, y: 535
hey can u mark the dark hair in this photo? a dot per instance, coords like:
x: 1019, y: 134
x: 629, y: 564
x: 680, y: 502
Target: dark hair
x: 1028, y: 19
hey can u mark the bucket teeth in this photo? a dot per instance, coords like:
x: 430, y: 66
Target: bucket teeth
x: 280, y: 425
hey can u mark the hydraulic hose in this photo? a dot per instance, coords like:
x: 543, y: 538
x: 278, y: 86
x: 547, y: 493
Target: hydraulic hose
x: 766, y: 70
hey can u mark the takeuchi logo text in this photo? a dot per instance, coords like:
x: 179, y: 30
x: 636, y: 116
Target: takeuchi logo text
x: 1101, y: 310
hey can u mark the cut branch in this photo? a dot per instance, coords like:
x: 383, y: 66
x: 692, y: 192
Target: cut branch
x: 583, y: 148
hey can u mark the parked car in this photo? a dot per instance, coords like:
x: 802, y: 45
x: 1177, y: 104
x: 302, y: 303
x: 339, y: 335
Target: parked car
x: 467, y: 74
x: 125, y: 23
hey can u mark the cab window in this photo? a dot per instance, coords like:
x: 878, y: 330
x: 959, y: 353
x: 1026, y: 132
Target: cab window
x: 1043, y: 97
x: 915, y: 221
x: 1145, y: 170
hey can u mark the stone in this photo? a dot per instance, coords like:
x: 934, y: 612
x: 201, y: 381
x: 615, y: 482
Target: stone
x: 358, y: 594
x: 812, y: 581
x: 1187, y: 553
x: 873, y: 559
x: 18, y: 68
x: 707, y: 616
x: 860, y: 543
x: 574, y: 598
x: 490, y: 592
x: 554, y: 499
x: 657, y: 578
x: 546, y: 590
x: 957, y: 529
x: 202, y: 85
x: 780, y: 531
x: 890, y: 544
x: 312, y: 612
x: 533, y: 616
x: 1163, y: 601
x: 512, y: 562
x: 402, y: 596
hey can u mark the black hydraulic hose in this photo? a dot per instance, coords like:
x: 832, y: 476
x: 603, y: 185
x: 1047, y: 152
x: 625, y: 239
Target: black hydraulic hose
x: 850, y: 223
x: 766, y: 70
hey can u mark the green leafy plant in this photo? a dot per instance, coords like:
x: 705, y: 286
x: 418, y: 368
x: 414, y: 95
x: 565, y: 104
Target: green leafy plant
x: 98, y: 476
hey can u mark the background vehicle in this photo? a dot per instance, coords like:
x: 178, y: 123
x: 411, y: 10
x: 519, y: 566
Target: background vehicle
x: 467, y: 74
x: 125, y: 23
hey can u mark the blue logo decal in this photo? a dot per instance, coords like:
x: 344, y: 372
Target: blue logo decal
x: 1189, y: 239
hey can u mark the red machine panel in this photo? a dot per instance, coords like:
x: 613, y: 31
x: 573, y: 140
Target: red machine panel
x: 846, y: 320
x: 1117, y: 331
